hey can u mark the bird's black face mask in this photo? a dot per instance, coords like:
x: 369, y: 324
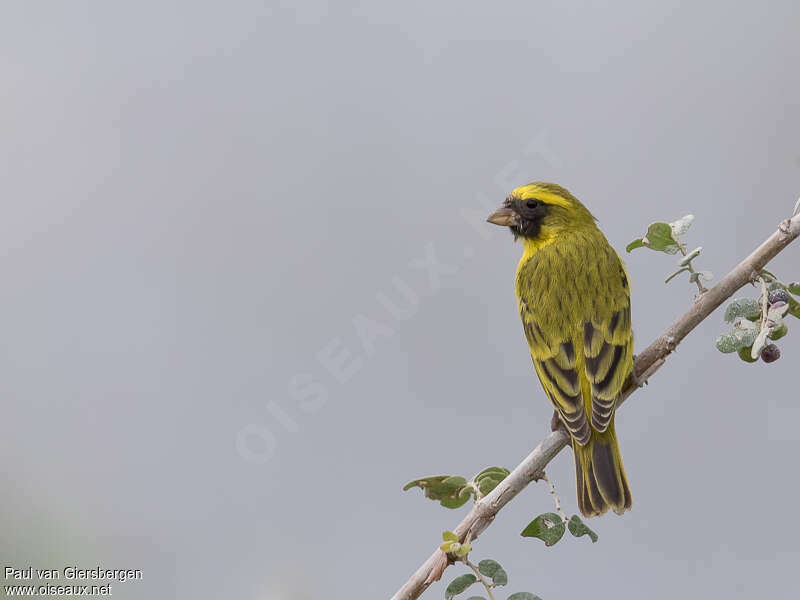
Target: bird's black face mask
x: 522, y: 217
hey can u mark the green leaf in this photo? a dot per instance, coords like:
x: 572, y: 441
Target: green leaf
x: 746, y: 356
x: 779, y: 332
x: 634, y: 244
x: 488, y: 567
x: 449, y: 536
x: 458, y: 501
x: 500, y: 577
x: 578, y: 528
x: 494, y: 472
x: 547, y: 527
x: 454, y: 483
x: 450, y: 491
x: 659, y: 237
x: 487, y: 484
x: 425, y: 483
x: 742, y: 307
x: 476, y: 598
x: 794, y: 287
x: 458, y: 585
x: 488, y: 479
x: 523, y: 596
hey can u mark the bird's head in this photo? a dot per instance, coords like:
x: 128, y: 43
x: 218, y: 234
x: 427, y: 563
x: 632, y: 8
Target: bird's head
x: 538, y: 209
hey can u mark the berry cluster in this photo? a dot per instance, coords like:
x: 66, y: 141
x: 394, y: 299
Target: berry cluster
x: 758, y: 322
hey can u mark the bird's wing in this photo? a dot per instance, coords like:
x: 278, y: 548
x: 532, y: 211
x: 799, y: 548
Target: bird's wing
x: 555, y: 364
x: 584, y: 385
x: 608, y: 352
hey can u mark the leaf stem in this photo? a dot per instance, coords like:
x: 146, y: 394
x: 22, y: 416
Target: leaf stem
x: 764, y: 302
x: 689, y: 266
x: 480, y: 577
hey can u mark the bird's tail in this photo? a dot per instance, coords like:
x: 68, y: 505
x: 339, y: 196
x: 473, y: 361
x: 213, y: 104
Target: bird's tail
x: 600, y: 475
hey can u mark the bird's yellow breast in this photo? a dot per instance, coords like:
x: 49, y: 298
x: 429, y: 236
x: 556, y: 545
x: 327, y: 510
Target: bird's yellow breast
x: 568, y: 279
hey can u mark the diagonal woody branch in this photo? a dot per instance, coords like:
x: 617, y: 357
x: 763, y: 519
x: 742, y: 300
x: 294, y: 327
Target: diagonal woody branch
x: 647, y: 363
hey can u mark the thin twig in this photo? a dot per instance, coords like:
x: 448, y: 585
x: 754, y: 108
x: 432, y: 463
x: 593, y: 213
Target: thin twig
x: 647, y: 363
x: 556, y: 499
x: 480, y: 577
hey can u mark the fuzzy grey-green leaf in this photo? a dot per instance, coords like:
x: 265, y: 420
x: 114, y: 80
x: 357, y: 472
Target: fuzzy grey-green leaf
x: 736, y: 338
x: 578, y: 528
x: 488, y: 567
x: 726, y: 343
x: 500, y: 577
x: 742, y: 307
x: 681, y: 226
x: 523, y: 596
x: 744, y: 337
x: 459, y: 585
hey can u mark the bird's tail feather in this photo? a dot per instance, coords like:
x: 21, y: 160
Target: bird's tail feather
x: 600, y: 475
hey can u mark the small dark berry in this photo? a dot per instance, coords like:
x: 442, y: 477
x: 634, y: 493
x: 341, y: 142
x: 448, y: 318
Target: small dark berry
x: 778, y: 295
x: 770, y: 353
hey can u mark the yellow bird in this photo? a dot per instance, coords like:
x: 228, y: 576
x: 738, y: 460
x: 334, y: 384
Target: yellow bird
x: 574, y: 300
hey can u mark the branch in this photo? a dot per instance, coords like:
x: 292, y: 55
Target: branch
x: 646, y: 364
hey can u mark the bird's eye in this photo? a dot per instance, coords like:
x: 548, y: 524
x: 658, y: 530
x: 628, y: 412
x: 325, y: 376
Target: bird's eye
x: 532, y: 203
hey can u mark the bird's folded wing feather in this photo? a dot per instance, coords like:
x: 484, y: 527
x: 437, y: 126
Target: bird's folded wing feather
x: 583, y: 370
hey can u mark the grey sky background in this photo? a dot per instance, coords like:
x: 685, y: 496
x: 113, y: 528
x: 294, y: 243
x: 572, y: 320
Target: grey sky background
x: 201, y: 201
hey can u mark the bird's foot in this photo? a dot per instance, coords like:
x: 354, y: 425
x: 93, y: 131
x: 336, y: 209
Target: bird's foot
x: 556, y: 423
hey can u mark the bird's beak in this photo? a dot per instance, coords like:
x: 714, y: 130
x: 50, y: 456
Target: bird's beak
x: 504, y: 216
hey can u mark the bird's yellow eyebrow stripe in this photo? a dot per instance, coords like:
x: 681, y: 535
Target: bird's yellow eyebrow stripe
x: 540, y: 194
